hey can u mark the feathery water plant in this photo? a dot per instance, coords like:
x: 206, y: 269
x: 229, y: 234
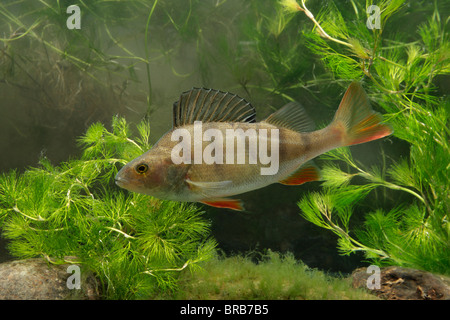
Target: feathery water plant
x: 73, y: 213
x: 414, y: 232
x: 262, y: 48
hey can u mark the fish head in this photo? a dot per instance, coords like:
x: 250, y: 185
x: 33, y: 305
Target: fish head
x: 146, y: 174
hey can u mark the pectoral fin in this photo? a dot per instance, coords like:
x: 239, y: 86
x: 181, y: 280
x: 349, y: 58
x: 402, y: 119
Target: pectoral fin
x: 208, y: 187
x: 234, y: 204
x: 306, y: 173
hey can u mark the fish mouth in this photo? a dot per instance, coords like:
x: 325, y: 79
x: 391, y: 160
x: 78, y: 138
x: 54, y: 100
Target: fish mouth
x: 120, y: 181
x: 126, y: 184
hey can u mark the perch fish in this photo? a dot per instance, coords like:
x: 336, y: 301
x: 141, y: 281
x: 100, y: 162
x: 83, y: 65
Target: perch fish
x: 216, y: 149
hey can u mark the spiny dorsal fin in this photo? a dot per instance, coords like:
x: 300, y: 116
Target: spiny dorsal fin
x: 292, y: 116
x: 208, y: 105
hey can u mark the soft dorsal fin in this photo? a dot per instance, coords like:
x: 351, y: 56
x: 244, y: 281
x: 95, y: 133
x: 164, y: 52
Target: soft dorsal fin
x: 292, y: 116
x: 208, y: 105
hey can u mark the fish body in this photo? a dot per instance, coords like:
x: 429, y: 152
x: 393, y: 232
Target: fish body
x: 216, y: 149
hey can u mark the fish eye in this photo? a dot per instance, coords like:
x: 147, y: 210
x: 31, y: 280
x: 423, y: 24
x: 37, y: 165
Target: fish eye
x: 141, y: 168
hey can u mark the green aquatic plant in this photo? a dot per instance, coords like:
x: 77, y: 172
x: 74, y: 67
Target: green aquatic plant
x: 261, y: 50
x: 415, y: 230
x: 274, y: 277
x: 73, y: 213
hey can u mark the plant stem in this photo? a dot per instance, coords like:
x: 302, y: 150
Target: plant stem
x: 150, y: 272
x: 358, y: 246
x: 149, y: 96
x: 27, y: 216
x: 126, y: 235
x: 322, y: 32
x: 132, y: 55
x: 389, y: 185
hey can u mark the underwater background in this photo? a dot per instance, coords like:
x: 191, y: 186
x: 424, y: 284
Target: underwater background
x: 133, y: 58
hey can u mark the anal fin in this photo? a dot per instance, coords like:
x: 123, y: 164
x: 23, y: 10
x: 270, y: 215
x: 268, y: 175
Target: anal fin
x: 306, y: 173
x: 234, y: 204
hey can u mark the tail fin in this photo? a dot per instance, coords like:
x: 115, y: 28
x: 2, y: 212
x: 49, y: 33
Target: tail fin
x: 355, y: 121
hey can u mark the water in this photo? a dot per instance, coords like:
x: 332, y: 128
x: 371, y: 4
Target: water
x: 55, y: 82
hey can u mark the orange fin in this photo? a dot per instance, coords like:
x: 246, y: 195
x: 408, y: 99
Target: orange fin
x: 306, y: 173
x: 355, y: 120
x: 233, y: 204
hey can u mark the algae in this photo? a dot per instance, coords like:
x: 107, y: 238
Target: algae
x: 273, y: 277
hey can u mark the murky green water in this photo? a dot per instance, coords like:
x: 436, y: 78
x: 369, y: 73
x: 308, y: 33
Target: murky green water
x: 56, y: 81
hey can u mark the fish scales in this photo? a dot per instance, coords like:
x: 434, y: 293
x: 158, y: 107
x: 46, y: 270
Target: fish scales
x: 216, y: 149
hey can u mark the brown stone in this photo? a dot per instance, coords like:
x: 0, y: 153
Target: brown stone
x: 397, y: 283
x: 36, y: 279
